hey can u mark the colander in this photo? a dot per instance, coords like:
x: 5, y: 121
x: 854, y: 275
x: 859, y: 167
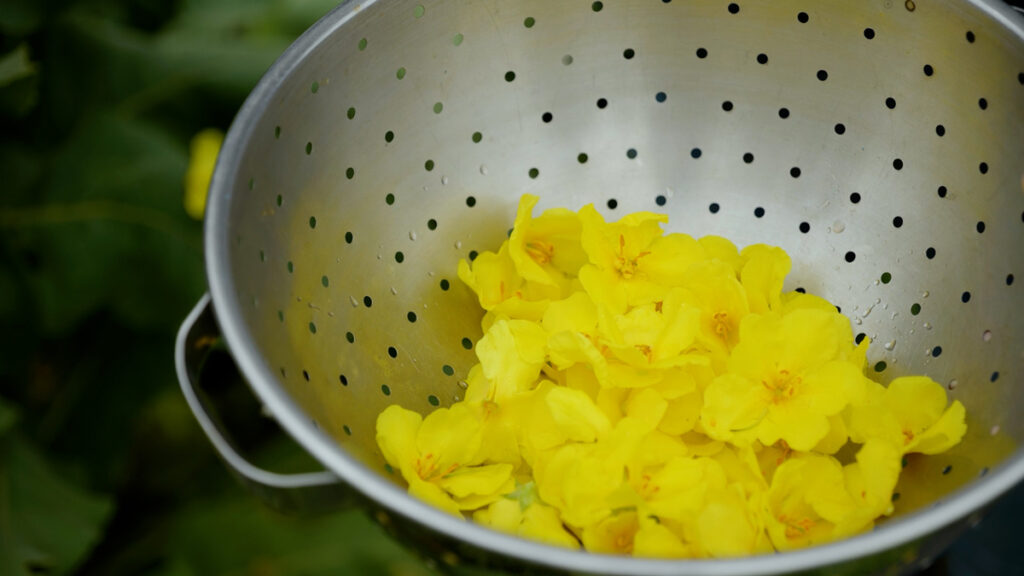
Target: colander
x: 880, y: 143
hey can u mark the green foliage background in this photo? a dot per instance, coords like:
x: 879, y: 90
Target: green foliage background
x: 102, y: 468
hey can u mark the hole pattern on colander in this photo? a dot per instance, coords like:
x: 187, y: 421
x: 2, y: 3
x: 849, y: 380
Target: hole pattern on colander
x: 885, y: 173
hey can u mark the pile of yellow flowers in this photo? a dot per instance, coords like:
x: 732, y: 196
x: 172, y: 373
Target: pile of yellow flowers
x: 659, y: 395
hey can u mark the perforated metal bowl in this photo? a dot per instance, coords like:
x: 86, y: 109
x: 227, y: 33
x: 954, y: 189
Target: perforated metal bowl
x: 881, y: 143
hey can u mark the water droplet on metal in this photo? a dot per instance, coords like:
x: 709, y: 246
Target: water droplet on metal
x: 890, y: 345
x: 455, y: 397
x: 986, y: 335
x: 924, y: 294
x: 463, y: 384
x: 858, y: 321
x: 352, y: 301
x: 838, y: 227
x: 927, y: 325
x: 483, y: 169
x: 953, y: 384
x: 994, y: 430
x: 458, y: 244
x: 444, y: 180
x: 394, y: 291
x: 412, y: 235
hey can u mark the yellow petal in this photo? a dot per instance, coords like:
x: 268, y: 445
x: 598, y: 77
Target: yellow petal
x: 542, y: 523
x: 670, y: 257
x: 713, y: 288
x: 647, y: 406
x: 732, y: 404
x: 657, y: 541
x: 512, y: 353
x: 203, y: 152
x: 433, y: 494
x: 722, y: 250
x: 605, y: 287
x: 396, y: 435
x: 727, y: 526
x: 492, y: 276
x: 449, y: 438
x: 870, y: 481
x: 656, y: 449
x: 836, y: 437
x: 682, y: 414
x: 947, y: 432
x: 678, y: 490
x: 576, y: 415
x: 576, y: 313
x: 917, y: 402
x: 502, y: 514
x: 804, y: 494
x: 477, y: 480
x: 612, y: 535
x: 545, y: 249
x: 762, y: 276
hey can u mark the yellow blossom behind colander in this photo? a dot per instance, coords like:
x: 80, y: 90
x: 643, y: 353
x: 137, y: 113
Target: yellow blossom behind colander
x: 659, y: 395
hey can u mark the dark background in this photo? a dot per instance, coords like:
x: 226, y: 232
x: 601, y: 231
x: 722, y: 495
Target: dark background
x: 102, y: 467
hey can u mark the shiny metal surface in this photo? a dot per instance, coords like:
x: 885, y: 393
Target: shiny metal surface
x: 395, y: 137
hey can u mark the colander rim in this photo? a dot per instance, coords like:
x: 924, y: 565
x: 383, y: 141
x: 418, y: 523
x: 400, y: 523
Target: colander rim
x: 228, y: 312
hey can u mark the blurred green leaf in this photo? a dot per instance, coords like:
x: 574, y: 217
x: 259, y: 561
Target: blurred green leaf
x: 16, y: 65
x: 235, y: 535
x: 19, y: 86
x: 46, y: 524
x: 112, y: 233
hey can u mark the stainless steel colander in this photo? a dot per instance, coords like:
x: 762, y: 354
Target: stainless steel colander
x: 881, y: 143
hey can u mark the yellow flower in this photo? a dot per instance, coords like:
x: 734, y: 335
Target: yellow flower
x: 440, y: 456
x: 523, y: 514
x: 579, y: 479
x: 677, y: 490
x: 730, y: 523
x: 806, y: 501
x: 657, y: 395
x: 615, y: 276
x: 654, y: 336
x: 511, y: 355
x: 910, y: 413
x: 786, y: 377
x: 613, y: 534
x: 870, y: 482
x: 203, y: 153
x: 547, y: 249
x: 713, y: 289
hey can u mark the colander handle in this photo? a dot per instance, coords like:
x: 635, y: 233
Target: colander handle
x: 290, y: 493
